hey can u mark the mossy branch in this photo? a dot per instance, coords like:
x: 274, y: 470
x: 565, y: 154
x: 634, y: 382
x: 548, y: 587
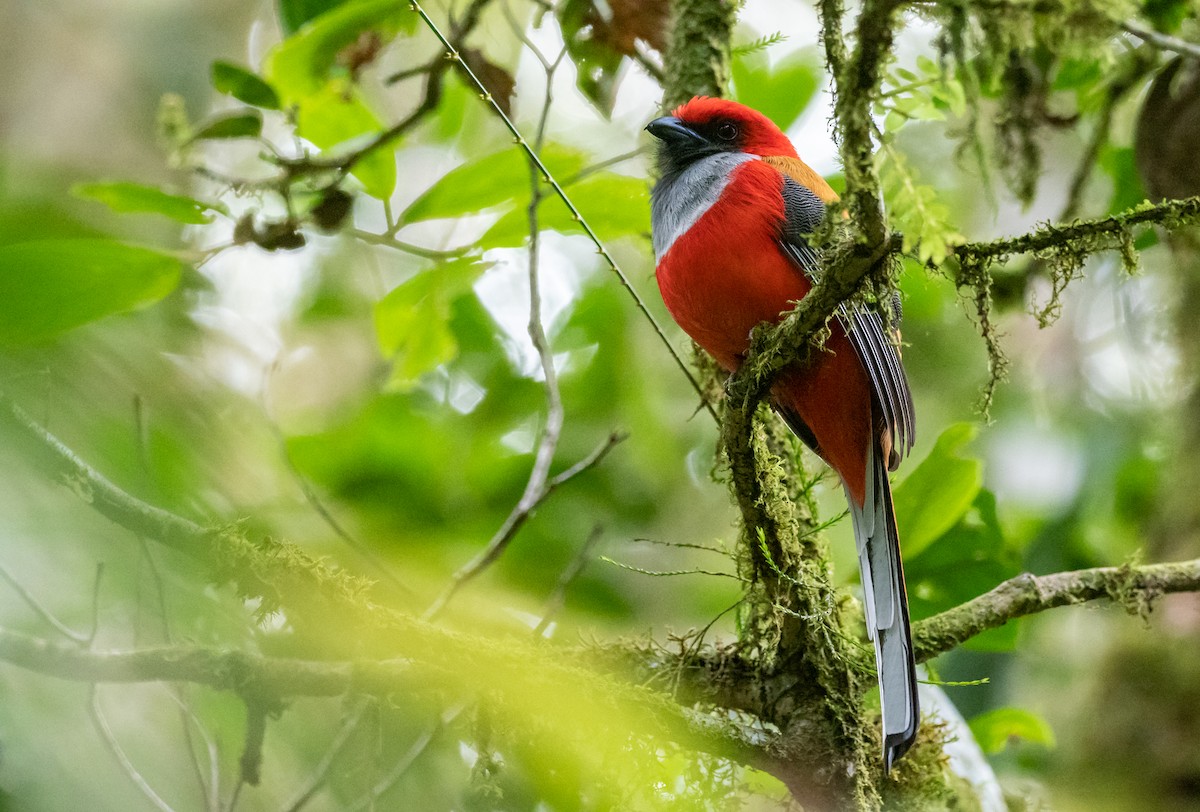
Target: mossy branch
x: 1084, y: 236
x: 1134, y: 587
x: 269, y: 680
x: 63, y: 465
x: 321, y: 603
x: 697, y: 58
x: 775, y: 347
x: 857, y: 80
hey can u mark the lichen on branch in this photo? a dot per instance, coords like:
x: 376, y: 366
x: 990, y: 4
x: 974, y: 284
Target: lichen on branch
x: 1134, y: 587
x: 697, y: 59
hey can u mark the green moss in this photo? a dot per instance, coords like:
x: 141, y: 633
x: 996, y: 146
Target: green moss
x: 697, y: 58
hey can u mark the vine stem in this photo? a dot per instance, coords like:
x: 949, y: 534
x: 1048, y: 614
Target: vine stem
x: 453, y: 55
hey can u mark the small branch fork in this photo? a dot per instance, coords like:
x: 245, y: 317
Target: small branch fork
x: 540, y: 485
x: 537, y: 490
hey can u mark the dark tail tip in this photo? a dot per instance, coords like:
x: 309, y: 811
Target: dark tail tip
x: 896, y: 745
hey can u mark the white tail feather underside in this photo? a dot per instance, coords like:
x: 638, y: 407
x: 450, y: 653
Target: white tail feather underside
x: 886, y: 609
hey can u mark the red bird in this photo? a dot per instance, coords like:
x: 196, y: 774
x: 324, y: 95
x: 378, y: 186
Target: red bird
x: 730, y: 215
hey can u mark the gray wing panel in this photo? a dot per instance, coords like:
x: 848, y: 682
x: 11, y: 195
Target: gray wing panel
x: 863, y: 325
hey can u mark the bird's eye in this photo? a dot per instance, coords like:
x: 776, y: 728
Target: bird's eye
x: 727, y: 131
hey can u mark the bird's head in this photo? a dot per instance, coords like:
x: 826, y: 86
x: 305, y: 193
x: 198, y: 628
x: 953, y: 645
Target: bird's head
x: 706, y: 126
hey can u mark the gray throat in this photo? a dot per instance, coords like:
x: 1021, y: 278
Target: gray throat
x: 680, y: 199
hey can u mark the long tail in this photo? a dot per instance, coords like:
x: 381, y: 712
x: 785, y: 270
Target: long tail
x: 887, y: 610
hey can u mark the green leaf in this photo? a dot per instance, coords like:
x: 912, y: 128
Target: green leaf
x: 412, y: 321
x: 134, y: 197
x: 305, y: 70
x: 1119, y: 164
x: 938, y: 492
x: 334, y: 117
x: 1077, y: 74
x: 295, y: 13
x: 965, y: 562
x: 916, y: 208
x: 28, y: 219
x: 301, y: 65
x: 596, y: 57
x: 1168, y: 15
x: 614, y: 205
x: 488, y: 181
x: 246, y: 124
x: 51, y: 286
x: 995, y: 728
x: 243, y: 85
x: 780, y: 93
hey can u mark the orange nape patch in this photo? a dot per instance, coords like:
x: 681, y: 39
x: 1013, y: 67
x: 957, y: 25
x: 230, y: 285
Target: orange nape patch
x: 803, y: 174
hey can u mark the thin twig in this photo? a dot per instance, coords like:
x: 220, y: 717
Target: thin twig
x: 670, y: 573
x: 1139, y: 63
x: 235, y: 795
x: 41, y: 611
x: 179, y: 691
x: 1164, y: 41
x: 642, y: 56
x: 310, y: 494
x: 410, y: 757
x: 212, y: 800
x: 592, y: 169
x: 554, y: 603
x: 416, y: 250
x: 515, y: 520
x: 319, y: 775
x: 114, y: 747
x: 453, y: 54
x: 539, y: 485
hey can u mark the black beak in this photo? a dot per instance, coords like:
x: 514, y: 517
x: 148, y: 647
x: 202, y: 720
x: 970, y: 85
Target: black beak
x: 674, y: 132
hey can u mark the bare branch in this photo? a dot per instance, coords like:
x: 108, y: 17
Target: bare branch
x: 416, y: 250
x: 554, y: 602
x: 591, y: 169
x: 313, y: 499
x: 1133, y: 586
x: 435, y: 70
x: 410, y: 757
x: 539, y: 485
x: 1163, y: 41
x: 63, y: 465
x: 320, y: 774
x: 528, y: 503
x: 41, y: 611
x: 118, y: 752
